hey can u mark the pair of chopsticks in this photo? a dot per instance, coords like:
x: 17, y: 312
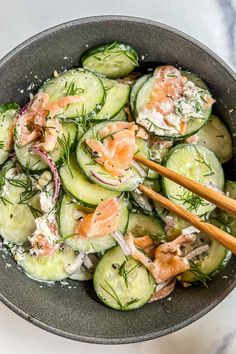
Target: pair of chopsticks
x: 212, y: 196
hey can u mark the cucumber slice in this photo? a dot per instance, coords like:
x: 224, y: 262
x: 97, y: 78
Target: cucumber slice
x: 117, y: 95
x: 193, y: 125
x: 112, y: 60
x: 230, y: 220
x: 143, y: 95
x: 121, y: 282
x: 141, y: 225
x: 230, y: 189
x: 80, y: 188
x: 212, y: 262
x: 141, y: 199
x: 225, y: 218
x: 93, y: 244
x: 8, y: 112
x: 35, y: 163
x: 135, y: 90
x: 77, y: 82
x: 97, y: 173
x: 50, y: 268
x: 216, y: 137
x: 201, y: 165
x: 17, y: 220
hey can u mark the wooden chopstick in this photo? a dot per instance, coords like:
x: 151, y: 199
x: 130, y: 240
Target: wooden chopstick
x: 220, y: 200
x: 219, y: 235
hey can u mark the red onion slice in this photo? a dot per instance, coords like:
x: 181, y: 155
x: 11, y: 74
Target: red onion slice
x: 123, y: 244
x: 74, y: 266
x: 190, y: 230
x: 136, y: 166
x: 108, y: 181
x: 213, y: 187
x: 163, y: 289
x: 197, y: 251
x: 160, y: 286
x: 45, y: 157
x: 24, y: 109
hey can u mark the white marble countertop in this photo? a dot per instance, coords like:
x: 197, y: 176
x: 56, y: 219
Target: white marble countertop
x: 213, y: 22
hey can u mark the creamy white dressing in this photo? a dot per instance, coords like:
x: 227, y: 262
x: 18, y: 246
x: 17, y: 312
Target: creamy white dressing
x: 17, y: 251
x: 154, y: 122
x: 46, y: 225
x: 190, y: 230
x: 46, y: 201
x: 190, y: 105
x: 43, y: 228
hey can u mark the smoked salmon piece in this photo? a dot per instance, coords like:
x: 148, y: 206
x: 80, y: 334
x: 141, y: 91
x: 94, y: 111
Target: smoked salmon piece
x: 44, y: 243
x: 101, y: 222
x: 168, y: 87
x: 168, y: 261
x: 116, y: 148
x: 39, y: 121
x: 147, y: 244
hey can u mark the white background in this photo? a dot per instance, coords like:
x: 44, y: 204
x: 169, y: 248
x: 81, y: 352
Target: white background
x: 205, y: 21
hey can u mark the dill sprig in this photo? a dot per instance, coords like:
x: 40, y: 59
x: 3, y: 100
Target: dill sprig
x: 72, y: 89
x: 199, y: 275
x: 26, y: 184
x: 97, y: 58
x: 112, y: 293
x: 92, y: 163
x: 5, y: 200
x: 131, y: 302
x: 203, y: 161
x: 27, y: 195
x: 110, y: 135
x: 35, y: 212
x: 155, y: 125
x: 132, y: 58
x: 112, y: 49
x: 65, y: 144
x: 3, y: 176
x: 193, y: 200
x: 2, y: 182
x: 136, y: 266
x: 109, y: 47
x: 123, y: 272
x: 63, y: 238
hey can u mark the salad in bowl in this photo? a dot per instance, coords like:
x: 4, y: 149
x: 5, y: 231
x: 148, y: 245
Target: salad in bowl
x: 69, y: 185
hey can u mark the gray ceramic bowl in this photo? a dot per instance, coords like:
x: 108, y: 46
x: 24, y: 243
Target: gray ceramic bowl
x: 76, y: 313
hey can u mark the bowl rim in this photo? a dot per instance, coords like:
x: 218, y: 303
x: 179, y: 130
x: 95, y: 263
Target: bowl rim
x: 155, y: 334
